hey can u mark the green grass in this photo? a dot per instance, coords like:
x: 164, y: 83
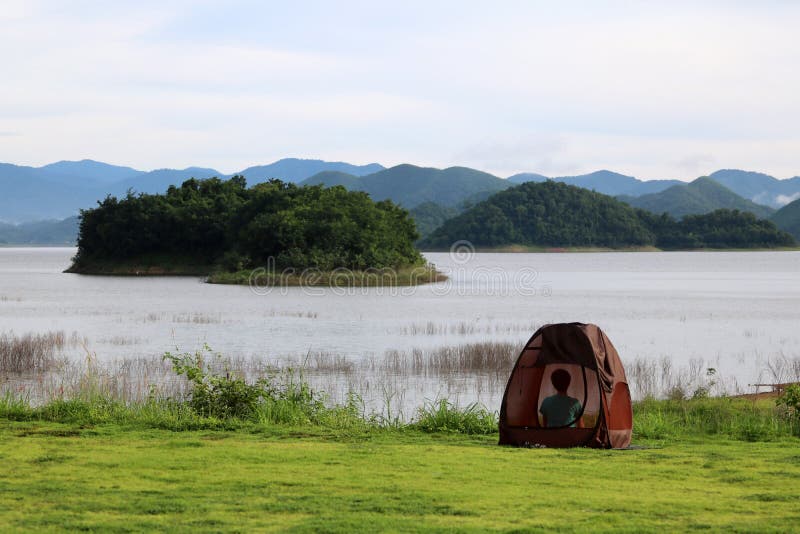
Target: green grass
x: 407, y: 276
x: 65, y: 477
x: 297, y: 465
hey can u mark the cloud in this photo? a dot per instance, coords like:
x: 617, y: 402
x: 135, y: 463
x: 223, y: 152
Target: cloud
x: 782, y: 200
x: 655, y: 91
x: 694, y: 162
x: 533, y: 152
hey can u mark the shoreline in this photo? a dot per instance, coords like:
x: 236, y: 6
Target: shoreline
x: 402, y: 277
x: 529, y: 249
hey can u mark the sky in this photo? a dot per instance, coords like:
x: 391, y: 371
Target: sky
x: 650, y: 89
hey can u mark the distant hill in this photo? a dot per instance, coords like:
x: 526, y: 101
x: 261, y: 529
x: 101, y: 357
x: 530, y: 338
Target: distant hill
x: 545, y: 214
x: 553, y: 214
x: 703, y: 195
x: 525, y: 177
x: 788, y: 218
x: 758, y: 187
x: 332, y: 178
x: 61, y: 189
x: 158, y: 181
x: 296, y: 170
x: 429, y: 216
x: 606, y: 182
x: 410, y: 186
x: 87, y: 171
x: 27, y: 195
x: 64, y: 232
x: 612, y: 183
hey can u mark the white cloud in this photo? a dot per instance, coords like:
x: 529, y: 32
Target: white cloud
x: 659, y: 92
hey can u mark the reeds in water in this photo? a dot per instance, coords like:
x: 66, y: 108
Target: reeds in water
x: 33, y: 352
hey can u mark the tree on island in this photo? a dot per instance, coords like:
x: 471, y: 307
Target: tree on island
x: 224, y: 223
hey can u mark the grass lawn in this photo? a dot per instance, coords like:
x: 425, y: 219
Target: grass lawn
x: 111, y: 478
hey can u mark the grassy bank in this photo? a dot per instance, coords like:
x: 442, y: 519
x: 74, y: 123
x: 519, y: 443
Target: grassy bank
x: 214, y: 274
x: 293, y: 461
x: 111, y: 478
x: 654, y: 420
x: 408, y: 276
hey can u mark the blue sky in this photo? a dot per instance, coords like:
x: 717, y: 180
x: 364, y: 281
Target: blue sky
x: 656, y: 90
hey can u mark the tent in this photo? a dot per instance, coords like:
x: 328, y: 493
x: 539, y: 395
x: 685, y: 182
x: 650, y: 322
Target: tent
x: 597, y: 381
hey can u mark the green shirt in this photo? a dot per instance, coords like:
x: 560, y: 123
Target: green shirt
x: 560, y: 410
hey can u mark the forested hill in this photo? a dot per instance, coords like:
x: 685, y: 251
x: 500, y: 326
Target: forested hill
x: 410, y: 186
x: 788, y: 218
x: 552, y: 214
x: 207, y: 224
x: 703, y: 195
x: 547, y: 213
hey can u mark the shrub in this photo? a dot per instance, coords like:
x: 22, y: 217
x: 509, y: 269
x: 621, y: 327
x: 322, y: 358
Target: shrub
x: 221, y: 396
x: 790, y: 400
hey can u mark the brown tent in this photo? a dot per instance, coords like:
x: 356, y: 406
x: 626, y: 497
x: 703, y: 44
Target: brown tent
x: 597, y: 381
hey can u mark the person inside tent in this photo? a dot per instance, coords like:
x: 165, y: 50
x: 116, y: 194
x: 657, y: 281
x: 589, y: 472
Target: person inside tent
x: 561, y: 409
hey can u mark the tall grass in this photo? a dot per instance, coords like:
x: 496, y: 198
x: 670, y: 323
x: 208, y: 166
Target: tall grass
x: 737, y: 418
x: 444, y: 416
x: 33, y: 352
x: 36, y: 381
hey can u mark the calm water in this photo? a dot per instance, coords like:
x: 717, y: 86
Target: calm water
x: 732, y: 309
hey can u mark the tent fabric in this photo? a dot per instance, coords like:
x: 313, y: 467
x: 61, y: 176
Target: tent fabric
x: 597, y: 380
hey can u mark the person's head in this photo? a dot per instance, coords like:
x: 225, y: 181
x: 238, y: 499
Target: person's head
x: 560, y: 379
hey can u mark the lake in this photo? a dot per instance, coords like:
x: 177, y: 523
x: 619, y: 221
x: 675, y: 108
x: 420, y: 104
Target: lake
x: 735, y: 312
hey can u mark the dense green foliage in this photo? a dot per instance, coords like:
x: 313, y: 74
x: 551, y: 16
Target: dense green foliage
x: 558, y: 215
x: 429, y: 216
x: 790, y: 401
x: 718, y: 229
x: 701, y: 196
x: 548, y: 214
x: 788, y: 218
x: 214, y: 221
x: 218, y: 395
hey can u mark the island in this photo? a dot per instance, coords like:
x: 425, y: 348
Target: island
x: 272, y: 233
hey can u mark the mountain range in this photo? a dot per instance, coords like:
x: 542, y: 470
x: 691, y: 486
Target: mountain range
x: 758, y: 187
x: 59, y: 190
x: 703, y: 195
x: 62, y: 232
x: 606, y: 182
x: 410, y: 186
